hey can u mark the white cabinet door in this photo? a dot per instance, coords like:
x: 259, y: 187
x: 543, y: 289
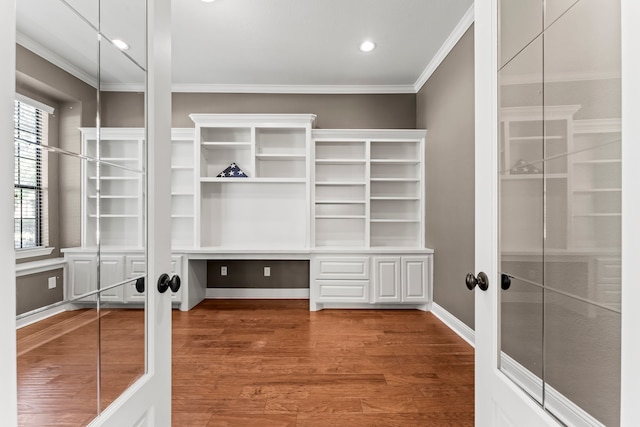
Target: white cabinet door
x: 111, y: 273
x: 136, y: 267
x: 386, y: 278
x: 82, y: 275
x: 415, y: 279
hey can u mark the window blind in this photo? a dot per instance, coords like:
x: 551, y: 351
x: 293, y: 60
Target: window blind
x: 28, y: 202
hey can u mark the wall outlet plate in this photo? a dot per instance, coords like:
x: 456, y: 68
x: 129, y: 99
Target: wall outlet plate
x: 223, y: 270
x: 267, y: 271
x: 52, y: 282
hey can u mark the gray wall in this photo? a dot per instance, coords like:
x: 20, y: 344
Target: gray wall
x: 285, y: 274
x: 445, y: 107
x: 33, y: 291
x: 394, y: 111
x: 75, y: 106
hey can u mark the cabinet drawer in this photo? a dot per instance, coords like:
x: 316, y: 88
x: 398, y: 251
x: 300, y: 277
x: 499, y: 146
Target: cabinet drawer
x: 342, y: 268
x: 342, y: 290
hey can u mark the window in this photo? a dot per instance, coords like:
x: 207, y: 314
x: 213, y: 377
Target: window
x: 28, y: 197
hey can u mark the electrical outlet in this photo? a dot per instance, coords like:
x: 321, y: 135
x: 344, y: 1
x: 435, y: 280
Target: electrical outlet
x: 52, y: 282
x: 223, y: 270
x: 267, y: 271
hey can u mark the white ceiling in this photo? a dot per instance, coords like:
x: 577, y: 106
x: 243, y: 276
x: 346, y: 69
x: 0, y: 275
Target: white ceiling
x: 256, y: 45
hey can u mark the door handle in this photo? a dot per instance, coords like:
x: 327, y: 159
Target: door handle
x: 164, y: 283
x: 482, y: 281
x: 505, y: 282
x: 140, y: 285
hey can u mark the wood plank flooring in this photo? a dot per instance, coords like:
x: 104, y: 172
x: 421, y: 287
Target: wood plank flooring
x: 274, y: 363
x: 258, y: 363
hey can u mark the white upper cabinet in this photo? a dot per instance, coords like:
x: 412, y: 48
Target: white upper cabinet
x: 252, y: 180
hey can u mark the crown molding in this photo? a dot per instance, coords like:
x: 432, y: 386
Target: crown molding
x: 122, y: 87
x: 55, y: 59
x: 463, y: 25
x: 461, y: 28
x: 536, y: 78
x: 293, y: 89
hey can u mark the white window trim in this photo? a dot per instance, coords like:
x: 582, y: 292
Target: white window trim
x: 33, y: 252
x: 37, y: 251
x: 37, y: 104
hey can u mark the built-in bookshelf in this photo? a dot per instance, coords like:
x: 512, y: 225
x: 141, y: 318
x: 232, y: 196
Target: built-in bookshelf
x: 183, y: 189
x: 112, y: 202
x: 596, y: 187
x: 268, y: 206
x: 368, y: 188
x: 534, y: 166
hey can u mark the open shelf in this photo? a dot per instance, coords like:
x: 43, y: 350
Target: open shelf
x: 368, y: 193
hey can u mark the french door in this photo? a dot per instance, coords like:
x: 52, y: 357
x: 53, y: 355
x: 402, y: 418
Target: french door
x: 555, y: 202
x: 147, y: 67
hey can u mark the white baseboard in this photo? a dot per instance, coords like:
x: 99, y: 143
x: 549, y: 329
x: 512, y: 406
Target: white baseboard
x: 555, y: 402
x: 244, y: 293
x: 561, y: 407
x: 365, y: 306
x: 455, y: 324
x: 29, y: 320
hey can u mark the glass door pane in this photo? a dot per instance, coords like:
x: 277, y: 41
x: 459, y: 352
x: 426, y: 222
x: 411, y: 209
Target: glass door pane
x: 57, y: 312
x: 582, y: 283
x: 560, y: 207
x: 121, y: 197
x: 522, y: 144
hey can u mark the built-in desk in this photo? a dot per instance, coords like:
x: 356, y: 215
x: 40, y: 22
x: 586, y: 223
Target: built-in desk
x: 338, y: 278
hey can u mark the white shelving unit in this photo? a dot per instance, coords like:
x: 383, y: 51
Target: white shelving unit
x: 351, y: 202
x: 596, y: 189
x: 541, y: 144
x: 368, y: 188
x: 269, y: 207
x: 183, y: 188
x: 112, y: 187
x: 368, y: 220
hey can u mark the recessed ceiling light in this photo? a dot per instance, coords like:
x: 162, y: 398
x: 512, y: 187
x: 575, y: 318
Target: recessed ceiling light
x: 367, y: 46
x: 120, y: 44
x: 208, y: 1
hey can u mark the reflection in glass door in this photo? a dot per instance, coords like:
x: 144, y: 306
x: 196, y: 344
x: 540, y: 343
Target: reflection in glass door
x: 560, y: 205
x: 81, y: 306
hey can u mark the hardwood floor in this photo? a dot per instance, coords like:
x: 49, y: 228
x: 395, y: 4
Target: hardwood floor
x: 257, y: 363
x: 274, y: 363
x: 58, y: 364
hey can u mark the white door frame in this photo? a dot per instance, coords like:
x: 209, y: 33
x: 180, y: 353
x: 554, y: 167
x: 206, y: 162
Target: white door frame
x: 630, y: 375
x: 8, y: 392
x: 148, y: 401
x: 499, y: 402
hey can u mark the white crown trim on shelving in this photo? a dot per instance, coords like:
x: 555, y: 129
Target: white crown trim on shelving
x: 292, y: 89
x: 359, y: 134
